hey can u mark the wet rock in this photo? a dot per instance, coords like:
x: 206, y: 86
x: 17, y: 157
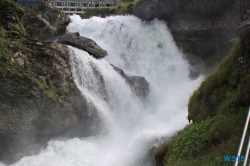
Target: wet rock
x: 139, y: 84
x: 38, y: 96
x: 83, y: 43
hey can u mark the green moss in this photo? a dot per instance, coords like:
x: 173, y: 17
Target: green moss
x: 161, y: 154
x: 40, y: 85
x: 3, y: 45
x: 221, y: 86
x: 51, y: 95
x: 203, y: 142
x: 218, y: 109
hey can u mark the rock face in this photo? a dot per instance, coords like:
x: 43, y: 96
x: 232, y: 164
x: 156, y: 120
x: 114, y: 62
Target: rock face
x: 204, y: 29
x: 9, y: 19
x: 244, y: 29
x: 83, y: 43
x: 38, y: 96
x: 44, y: 22
x: 139, y: 85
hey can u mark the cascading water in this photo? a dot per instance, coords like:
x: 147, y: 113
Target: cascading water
x: 132, y: 126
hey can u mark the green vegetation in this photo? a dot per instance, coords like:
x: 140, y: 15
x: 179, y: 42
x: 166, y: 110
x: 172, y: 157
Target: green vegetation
x: 3, y: 44
x: 121, y: 9
x: 218, y: 109
x: 224, y: 90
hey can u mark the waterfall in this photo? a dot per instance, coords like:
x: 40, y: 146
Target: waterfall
x: 132, y: 126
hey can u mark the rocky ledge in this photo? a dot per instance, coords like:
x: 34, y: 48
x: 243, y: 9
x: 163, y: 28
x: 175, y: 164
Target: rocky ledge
x: 83, y: 43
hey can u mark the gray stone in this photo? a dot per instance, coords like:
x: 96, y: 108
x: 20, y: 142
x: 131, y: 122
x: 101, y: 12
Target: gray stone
x: 83, y: 43
x: 139, y: 84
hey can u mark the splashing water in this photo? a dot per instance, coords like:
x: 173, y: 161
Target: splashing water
x: 133, y: 126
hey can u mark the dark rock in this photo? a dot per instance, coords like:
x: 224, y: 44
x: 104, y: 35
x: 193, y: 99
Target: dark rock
x: 139, y: 84
x: 244, y: 10
x: 83, y: 43
x: 38, y: 96
x: 244, y: 31
x: 44, y: 22
x: 203, y: 30
x: 17, y: 154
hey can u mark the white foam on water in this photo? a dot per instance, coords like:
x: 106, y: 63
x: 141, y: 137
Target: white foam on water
x: 133, y: 126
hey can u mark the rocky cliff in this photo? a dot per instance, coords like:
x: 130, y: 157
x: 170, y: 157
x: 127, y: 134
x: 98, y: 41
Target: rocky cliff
x: 204, y: 30
x: 38, y: 97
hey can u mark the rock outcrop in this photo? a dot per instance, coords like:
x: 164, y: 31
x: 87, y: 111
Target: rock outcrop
x: 44, y: 22
x: 38, y: 96
x: 139, y: 84
x: 83, y: 43
x: 204, y: 29
x: 9, y: 20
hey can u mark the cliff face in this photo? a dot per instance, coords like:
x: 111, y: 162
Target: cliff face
x: 204, y: 30
x: 38, y: 97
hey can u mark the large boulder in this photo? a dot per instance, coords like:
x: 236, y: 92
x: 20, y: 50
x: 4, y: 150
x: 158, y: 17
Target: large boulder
x: 83, y: 43
x: 139, y: 84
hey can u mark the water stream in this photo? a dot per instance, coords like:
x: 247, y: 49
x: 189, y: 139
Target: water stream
x: 132, y: 126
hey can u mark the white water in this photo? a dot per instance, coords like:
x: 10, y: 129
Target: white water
x: 134, y: 127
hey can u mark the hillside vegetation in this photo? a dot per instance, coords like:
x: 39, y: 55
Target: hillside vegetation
x: 123, y: 8
x: 218, y: 109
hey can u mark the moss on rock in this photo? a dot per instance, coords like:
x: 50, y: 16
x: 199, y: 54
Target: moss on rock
x: 218, y: 109
x: 44, y: 22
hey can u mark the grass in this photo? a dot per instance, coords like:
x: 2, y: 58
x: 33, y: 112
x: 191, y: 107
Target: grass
x: 121, y: 9
x: 218, y: 109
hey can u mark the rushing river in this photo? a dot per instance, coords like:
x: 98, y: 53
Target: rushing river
x: 132, y: 126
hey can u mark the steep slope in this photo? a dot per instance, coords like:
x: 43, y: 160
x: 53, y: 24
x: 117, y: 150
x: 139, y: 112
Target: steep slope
x: 218, y: 109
